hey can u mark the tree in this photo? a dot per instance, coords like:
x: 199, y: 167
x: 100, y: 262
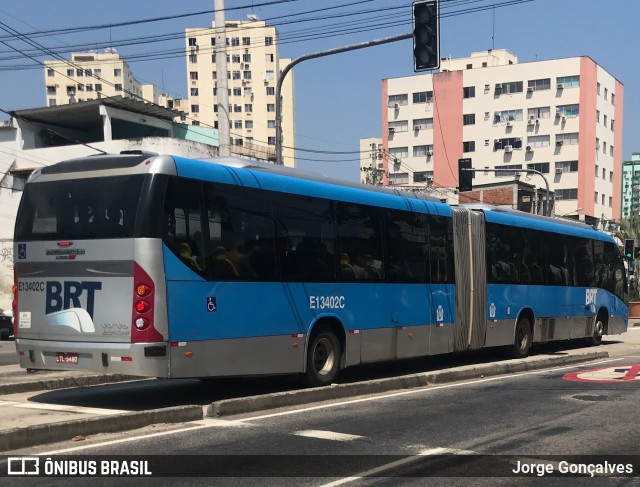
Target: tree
x: 629, y: 228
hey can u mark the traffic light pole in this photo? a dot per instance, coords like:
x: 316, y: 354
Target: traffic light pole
x: 529, y: 171
x: 314, y: 55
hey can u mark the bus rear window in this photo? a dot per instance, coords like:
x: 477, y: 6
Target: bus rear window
x: 76, y: 209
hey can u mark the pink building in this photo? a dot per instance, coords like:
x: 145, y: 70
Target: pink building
x: 562, y: 117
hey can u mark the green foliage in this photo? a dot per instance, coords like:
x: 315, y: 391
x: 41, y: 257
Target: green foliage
x: 630, y: 228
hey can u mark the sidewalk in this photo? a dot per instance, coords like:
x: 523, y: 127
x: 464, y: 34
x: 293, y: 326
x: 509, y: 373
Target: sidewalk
x: 25, y: 424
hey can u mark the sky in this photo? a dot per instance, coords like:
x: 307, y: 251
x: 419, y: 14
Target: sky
x: 337, y: 98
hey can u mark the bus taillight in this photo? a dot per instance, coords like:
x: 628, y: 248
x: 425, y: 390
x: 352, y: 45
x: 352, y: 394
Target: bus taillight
x: 14, y: 303
x: 142, y: 329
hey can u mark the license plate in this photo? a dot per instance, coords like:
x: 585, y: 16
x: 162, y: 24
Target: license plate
x: 66, y: 358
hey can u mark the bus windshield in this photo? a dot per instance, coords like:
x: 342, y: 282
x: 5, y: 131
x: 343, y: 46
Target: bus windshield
x: 77, y: 209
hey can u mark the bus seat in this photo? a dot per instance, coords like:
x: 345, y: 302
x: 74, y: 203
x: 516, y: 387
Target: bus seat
x: 346, y: 269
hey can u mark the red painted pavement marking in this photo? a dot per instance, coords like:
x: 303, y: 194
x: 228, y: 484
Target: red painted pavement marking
x: 606, y: 374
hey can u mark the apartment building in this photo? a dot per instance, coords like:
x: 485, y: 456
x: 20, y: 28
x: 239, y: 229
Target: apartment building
x: 253, y: 65
x: 631, y: 186
x: 92, y: 75
x: 371, y: 167
x: 561, y: 117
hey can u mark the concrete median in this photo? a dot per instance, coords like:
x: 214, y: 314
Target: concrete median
x: 243, y: 405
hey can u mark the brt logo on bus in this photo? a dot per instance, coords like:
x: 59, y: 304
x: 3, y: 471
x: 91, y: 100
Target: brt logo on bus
x: 591, y: 296
x: 66, y: 295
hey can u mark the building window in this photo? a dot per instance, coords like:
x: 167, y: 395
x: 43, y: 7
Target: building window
x: 469, y: 119
x: 398, y: 126
x: 606, y: 93
x: 271, y: 124
x: 507, y: 171
x: 237, y: 124
x: 213, y: 41
x: 598, y: 88
x: 97, y: 73
x: 595, y: 199
x: 69, y: 72
x: 235, y: 41
x: 512, y: 142
x: 51, y: 90
x: 611, y: 150
x: 268, y: 58
x: 98, y: 87
x: 271, y: 140
x: 248, y: 124
x: 118, y: 87
x: 248, y: 108
x: 80, y: 87
x: 610, y: 176
x: 469, y: 146
x: 269, y: 75
x: 605, y: 120
x: 195, y: 108
x: 539, y: 141
x: 79, y: 73
x: 539, y: 84
x: 568, y: 110
x: 613, y: 97
x: 568, y: 81
x: 542, y: 167
x: 610, y: 201
x: 192, y: 41
x: 399, y: 178
x: 246, y: 41
x: 598, y: 116
x: 271, y: 91
x: 422, y: 176
x: 194, y: 91
x: 508, y: 116
x: 612, y: 124
x: 398, y: 153
x: 117, y: 72
x: 235, y: 74
x: 568, y: 139
x: 469, y: 92
x: 237, y: 92
x: 539, y: 112
x: 246, y: 75
x: 567, y: 194
x: 52, y: 102
x: 604, y: 147
x: 237, y: 108
x: 568, y: 166
x: 423, y: 97
x: 193, y: 75
x: 508, y: 88
x: 397, y: 100
x: 422, y: 123
x: 271, y: 107
x: 235, y: 58
x: 88, y: 87
x: 268, y: 41
x: 422, y: 150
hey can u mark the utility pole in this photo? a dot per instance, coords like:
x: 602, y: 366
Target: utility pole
x: 221, y: 76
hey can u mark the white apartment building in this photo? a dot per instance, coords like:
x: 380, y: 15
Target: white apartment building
x: 253, y: 65
x: 371, y: 166
x: 92, y: 75
x: 562, y: 117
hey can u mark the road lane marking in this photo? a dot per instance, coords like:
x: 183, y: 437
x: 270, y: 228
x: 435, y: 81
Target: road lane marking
x: 62, y: 408
x: 398, y: 463
x: 214, y: 424
x: 327, y: 435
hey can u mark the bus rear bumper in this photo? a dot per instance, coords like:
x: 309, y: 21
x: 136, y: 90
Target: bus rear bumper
x: 135, y: 359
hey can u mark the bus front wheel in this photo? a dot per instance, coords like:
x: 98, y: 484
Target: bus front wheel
x: 323, y: 359
x: 598, y: 331
x: 523, y: 338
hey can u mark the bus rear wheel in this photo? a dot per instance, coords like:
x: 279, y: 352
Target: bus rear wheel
x: 598, y: 331
x: 523, y: 338
x: 323, y: 359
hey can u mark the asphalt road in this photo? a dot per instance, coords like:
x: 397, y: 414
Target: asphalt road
x: 8, y: 355
x: 414, y: 437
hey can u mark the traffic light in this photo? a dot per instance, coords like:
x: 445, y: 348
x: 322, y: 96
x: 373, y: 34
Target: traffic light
x: 465, y: 178
x: 628, y: 248
x: 426, y: 35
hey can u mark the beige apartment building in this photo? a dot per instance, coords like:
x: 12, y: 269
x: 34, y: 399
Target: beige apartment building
x: 562, y: 117
x: 91, y: 75
x: 253, y: 65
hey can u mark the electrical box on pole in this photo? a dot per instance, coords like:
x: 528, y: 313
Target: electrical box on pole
x: 426, y: 35
x: 465, y: 178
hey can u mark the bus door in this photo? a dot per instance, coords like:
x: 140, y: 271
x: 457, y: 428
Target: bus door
x: 470, y: 273
x: 441, y: 287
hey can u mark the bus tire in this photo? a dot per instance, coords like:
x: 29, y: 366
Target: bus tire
x: 523, y: 338
x: 323, y: 358
x: 598, y: 330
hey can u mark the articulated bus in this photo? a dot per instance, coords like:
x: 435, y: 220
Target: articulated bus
x: 161, y: 266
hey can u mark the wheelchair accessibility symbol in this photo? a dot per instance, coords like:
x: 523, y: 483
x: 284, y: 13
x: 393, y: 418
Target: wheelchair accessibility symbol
x: 211, y: 304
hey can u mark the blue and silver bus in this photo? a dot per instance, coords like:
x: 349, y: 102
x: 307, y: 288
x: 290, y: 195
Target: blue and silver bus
x: 161, y: 266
